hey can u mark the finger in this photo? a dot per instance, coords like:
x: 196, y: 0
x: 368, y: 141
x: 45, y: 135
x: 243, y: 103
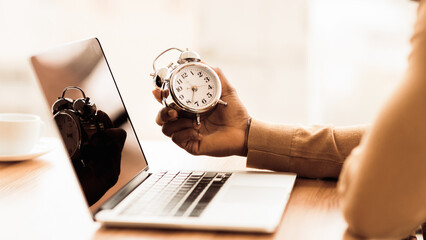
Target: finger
x: 166, y: 115
x: 117, y: 136
x: 157, y: 94
x: 104, y: 119
x: 165, y: 93
x: 411, y: 237
x: 179, y: 125
x: 186, y: 137
x: 112, y: 137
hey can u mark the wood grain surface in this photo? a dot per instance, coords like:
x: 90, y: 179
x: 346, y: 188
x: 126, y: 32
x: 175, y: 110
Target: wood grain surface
x: 41, y: 199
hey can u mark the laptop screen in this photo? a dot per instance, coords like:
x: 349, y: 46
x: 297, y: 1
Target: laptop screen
x: 91, y: 118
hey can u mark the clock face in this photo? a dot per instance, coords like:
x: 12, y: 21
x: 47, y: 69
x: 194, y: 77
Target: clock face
x: 69, y: 130
x: 196, y: 87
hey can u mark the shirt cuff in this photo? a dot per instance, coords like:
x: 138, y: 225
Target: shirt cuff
x: 269, y: 146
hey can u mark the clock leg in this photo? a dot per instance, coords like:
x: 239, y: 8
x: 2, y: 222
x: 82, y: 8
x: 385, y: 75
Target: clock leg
x: 222, y: 102
x: 198, y: 119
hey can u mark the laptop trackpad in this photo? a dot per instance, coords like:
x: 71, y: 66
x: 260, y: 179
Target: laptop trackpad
x: 240, y: 194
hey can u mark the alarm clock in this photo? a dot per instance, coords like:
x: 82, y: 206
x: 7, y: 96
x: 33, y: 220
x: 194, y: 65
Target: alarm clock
x: 76, y: 121
x: 188, y: 84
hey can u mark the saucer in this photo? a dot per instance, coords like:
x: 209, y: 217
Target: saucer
x: 44, y: 146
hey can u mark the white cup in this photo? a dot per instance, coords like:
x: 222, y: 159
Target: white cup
x: 19, y: 133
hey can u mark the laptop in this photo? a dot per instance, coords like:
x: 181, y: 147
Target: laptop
x: 113, y: 172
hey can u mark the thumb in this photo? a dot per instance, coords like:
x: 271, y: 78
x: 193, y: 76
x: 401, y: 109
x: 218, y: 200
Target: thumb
x: 227, y: 88
x: 105, y: 119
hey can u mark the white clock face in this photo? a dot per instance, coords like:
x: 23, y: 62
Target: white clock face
x: 196, y: 87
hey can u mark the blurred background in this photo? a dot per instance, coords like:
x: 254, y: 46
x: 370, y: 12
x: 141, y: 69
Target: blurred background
x: 296, y: 62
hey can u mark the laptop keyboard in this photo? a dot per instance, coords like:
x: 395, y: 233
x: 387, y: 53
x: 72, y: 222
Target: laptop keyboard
x: 176, y: 193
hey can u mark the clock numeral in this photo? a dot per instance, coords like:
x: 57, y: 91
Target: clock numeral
x: 196, y: 103
x: 188, y: 101
x: 179, y: 81
x: 184, y: 75
x: 200, y: 74
x: 210, y: 87
x: 191, y: 72
x: 204, y: 101
x: 179, y: 89
x: 207, y: 79
x: 209, y: 95
x: 181, y: 97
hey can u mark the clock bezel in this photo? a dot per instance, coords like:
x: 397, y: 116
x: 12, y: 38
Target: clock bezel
x: 181, y: 105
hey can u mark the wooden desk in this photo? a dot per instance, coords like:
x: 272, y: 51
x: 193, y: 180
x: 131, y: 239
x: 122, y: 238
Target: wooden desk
x: 40, y: 199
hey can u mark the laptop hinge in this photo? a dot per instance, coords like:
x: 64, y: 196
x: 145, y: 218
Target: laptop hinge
x: 124, y: 191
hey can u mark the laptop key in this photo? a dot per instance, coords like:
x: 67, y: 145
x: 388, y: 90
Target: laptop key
x: 176, y: 193
x: 194, y: 194
x: 208, y: 196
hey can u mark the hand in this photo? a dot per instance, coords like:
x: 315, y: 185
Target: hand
x: 222, y: 132
x: 103, y: 160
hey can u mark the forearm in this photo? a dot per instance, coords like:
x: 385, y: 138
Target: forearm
x: 383, y: 183
x: 315, y: 152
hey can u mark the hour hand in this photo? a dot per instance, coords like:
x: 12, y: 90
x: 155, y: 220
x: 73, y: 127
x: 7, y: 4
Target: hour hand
x: 193, y: 94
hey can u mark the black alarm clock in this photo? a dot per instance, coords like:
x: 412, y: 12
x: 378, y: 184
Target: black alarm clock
x: 77, y: 122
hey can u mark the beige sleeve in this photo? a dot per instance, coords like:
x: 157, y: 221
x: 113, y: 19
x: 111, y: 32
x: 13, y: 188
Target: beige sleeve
x: 315, y: 152
x: 383, y: 182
